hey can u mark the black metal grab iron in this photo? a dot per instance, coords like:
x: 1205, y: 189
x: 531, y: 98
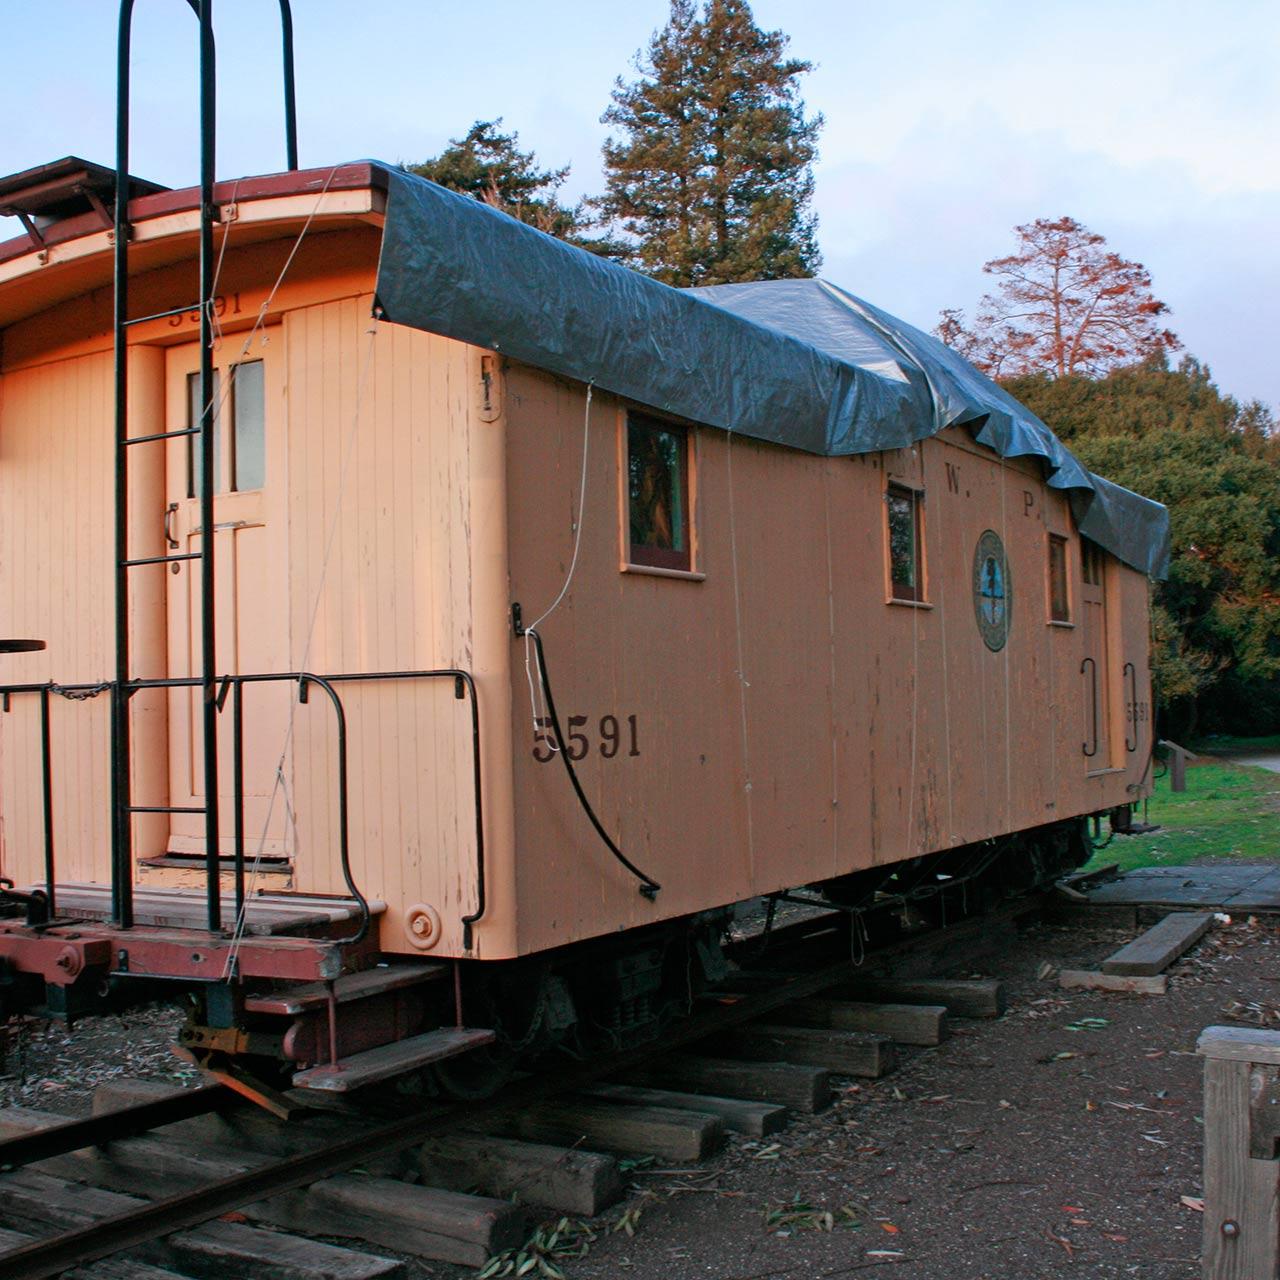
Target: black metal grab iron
x: 122, y: 809
x: 1092, y: 665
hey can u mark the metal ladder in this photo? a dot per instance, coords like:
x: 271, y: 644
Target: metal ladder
x: 123, y: 687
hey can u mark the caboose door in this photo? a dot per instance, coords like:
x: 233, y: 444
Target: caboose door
x: 1095, y: 669
x: 250, y: 587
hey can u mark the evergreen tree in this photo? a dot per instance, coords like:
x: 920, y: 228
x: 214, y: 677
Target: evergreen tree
x: 709, y: 179
x: 1172, y: 435
x: 489, y: 165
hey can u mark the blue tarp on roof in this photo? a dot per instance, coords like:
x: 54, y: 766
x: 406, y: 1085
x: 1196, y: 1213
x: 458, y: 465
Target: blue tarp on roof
x: 799, y: 363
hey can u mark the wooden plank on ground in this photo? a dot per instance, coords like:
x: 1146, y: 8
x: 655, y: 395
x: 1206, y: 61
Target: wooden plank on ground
x: 661, y: 1132
x: 1094, y: 980
x: 806, y: 1089
x: 961, y: 997
x: 754, y: 1119
x: 35, y: 1201
x: 1161, y: 945
x: 560, y: 1178
x: 918, y: 1024
x: 850, y: 1053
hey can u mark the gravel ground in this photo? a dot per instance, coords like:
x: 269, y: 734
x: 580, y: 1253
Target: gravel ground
x: 1058, y: 1140
x: 1037, y: 1145
x: 51, y: 1068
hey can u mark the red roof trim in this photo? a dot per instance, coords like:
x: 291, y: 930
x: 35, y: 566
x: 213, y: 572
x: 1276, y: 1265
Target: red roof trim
x: 343, y: 177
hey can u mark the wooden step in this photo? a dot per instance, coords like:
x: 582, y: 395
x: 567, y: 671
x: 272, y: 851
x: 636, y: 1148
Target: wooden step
x: 1160, y: 946
x: 351, y: 986
x: 389, y: 1060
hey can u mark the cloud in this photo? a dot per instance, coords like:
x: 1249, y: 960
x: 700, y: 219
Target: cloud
x: 911, y: 232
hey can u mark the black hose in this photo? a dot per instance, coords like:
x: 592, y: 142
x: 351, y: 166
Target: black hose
x: 648, y: 886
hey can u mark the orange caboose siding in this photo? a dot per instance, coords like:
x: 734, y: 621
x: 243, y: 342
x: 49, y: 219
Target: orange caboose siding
x: 790, y: 723
x: 794, y: 723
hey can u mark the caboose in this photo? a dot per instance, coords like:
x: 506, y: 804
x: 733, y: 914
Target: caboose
x: 412, y: 620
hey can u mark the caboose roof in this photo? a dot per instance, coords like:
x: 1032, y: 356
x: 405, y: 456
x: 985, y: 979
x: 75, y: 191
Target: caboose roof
x: 799, y: 363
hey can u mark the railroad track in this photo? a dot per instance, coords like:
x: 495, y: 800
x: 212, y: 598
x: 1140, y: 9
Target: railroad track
x: 138, y: 1189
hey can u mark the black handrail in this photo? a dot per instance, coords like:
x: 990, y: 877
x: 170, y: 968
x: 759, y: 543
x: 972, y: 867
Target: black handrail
x: 1093, y: 701
x: 465, y: 687
x: 1132, y: 672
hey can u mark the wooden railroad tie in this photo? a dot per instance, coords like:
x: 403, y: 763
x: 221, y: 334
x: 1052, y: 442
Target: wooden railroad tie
x: 914, y: 1024
x: 848, y: 1053
x: 665, y: 1133
x: 799, y: 1088
x: 33, y: 1201
x: 528, y: 1173
x: 431, y: 1222
x: 961, y: 997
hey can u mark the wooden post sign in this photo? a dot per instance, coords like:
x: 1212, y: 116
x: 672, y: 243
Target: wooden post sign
x: 1241, y: 1150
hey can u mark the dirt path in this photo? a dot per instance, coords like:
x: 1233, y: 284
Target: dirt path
x: 1270, y: 760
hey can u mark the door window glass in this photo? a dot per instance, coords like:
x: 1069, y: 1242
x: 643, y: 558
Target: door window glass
x: 248, y: 438
x: 194, y: 469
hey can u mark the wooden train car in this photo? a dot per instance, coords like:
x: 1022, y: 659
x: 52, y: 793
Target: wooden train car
x: 810, y: 601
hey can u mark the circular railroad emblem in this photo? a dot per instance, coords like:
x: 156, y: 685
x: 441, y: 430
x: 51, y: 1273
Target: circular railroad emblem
x: 991, y: 590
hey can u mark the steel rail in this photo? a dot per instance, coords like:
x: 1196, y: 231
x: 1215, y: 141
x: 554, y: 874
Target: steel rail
x: 124, y: 1122
x: 51, y: 1256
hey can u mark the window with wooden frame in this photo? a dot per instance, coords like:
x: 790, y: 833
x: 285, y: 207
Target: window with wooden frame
x: 1059, y: 590
x: 660, y: 534
x: 1091, y: 564
x: 905, y: 543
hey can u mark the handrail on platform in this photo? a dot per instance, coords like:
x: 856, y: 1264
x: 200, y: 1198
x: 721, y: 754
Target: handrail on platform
x: 233, y: 685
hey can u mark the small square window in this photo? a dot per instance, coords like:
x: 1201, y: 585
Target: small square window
x: 658, y: 493
x: 1059, y: 596
x: 906, y: 575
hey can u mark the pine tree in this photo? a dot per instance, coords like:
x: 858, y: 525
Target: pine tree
x: 710, y: 179
x: 489, y: 165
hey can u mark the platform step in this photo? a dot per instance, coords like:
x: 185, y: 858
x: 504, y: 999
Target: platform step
x: 175, y: 908
x: 389, y: 1060
x: 304, y: 998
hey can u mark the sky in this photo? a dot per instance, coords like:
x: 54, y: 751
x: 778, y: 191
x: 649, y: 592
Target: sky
x: 1154, y: 122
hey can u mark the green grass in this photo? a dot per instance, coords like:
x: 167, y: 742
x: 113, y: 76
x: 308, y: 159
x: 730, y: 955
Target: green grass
x: 1228, y: 811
